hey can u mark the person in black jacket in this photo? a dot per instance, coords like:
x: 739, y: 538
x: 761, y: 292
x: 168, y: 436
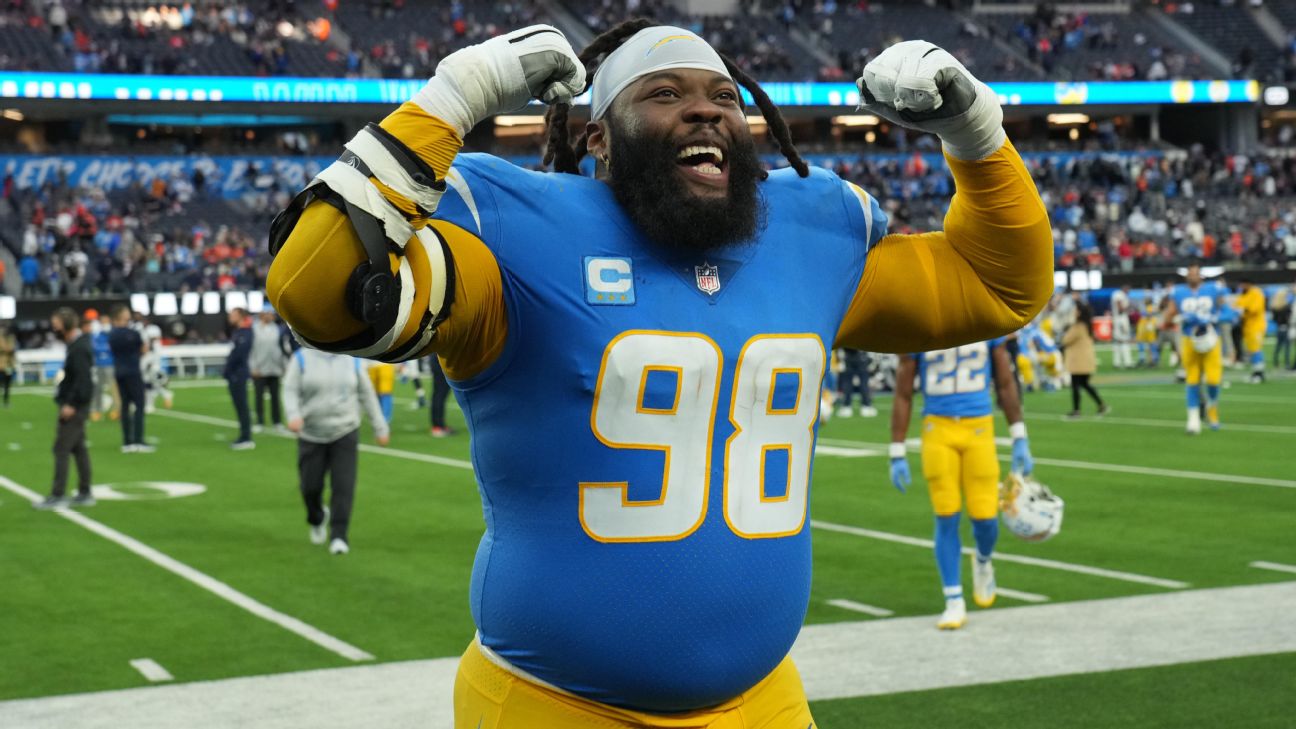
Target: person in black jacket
x: 73, y: 396
x: 237, y: 373
x: 127, y: 347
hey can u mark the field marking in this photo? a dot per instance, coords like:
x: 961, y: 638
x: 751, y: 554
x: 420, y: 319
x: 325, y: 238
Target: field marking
x: 151, y: 670
x: 366, y: 447
x: 1003, y: 556
x: 1224, y: 397
x: 859, y: 607
x: 829, y: 450
x: 1274, y: 566
x: 1020, y: 595
x: 836, y: 660
x: 866, y: 448
x: 1180, y: 424
x: 206, y: 582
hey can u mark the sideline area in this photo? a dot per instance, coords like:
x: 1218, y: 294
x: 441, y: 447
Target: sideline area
x: 837, y: 660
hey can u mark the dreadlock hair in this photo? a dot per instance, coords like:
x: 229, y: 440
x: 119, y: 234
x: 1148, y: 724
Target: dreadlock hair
x: 566, y: 156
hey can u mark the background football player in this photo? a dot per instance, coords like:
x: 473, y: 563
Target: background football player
x: 1196, y: 304
x: 1039, y: 359
x: 1122, y: 313
x: 642, y: 410
x: 959, y: 459
x: 1251, y: 305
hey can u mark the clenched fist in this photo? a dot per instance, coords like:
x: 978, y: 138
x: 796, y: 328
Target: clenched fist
x: 919, y: 85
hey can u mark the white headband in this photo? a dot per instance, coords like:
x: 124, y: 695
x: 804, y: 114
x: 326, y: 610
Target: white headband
x: 649, y: 51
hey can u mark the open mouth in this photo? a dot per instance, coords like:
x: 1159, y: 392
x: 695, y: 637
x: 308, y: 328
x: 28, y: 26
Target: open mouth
x: 706, y: 161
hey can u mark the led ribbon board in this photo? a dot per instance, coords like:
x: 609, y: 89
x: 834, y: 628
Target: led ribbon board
x: 290, y: 90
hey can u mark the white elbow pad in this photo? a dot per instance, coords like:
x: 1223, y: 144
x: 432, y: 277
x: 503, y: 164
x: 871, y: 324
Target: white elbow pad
x: 375, y: 295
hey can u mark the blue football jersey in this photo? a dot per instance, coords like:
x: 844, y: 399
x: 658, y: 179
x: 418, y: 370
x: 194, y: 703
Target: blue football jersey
x: 1198, y: 306
x: 1033, y: 336
x: 956, y: 382
x: 643, y: 443
x: 102, y: 352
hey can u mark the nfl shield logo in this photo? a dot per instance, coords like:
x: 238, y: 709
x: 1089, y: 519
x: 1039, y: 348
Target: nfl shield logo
x: 708, y: 278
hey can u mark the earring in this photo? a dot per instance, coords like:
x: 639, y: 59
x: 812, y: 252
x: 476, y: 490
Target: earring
x: 607, y: 161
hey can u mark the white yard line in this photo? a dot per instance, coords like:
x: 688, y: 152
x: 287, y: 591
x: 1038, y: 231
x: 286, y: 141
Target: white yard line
x: 367, y: 448
x: 151, y: 670
x: 1274, y: 566
x: 1004, y: 557
x: 828, y: 450
x: 836, y: 660
x: 1180, y: 424
x: 1023, y: 596
x: 1178, y: 394
x: 865, y: 449
x: 1168, y: 472
x: 206, y: 582
x: 859, y: 607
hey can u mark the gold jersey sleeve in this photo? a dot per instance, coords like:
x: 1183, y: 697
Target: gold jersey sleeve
x: 309, y: 275
x: 985, y: 275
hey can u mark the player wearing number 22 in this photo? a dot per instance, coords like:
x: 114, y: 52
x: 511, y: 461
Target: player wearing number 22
x: 639, y: 354
x: 1198, y: 303
x: 959, y: 459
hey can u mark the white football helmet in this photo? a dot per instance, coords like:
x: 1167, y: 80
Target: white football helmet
x: 1029, y: 509
x: 1204, y: 339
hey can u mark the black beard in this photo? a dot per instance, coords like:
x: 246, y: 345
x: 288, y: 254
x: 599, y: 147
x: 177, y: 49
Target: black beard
x: 645, y: 182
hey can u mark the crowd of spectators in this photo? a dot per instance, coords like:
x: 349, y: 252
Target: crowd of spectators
x: 1121, y: 212
x: 166, y: 235
x: 401, y: 39
x: 755, y: 36
x: 261, y: 37
x: 1114, y: 211
x: 1079, y: 46
x: 797, y: 40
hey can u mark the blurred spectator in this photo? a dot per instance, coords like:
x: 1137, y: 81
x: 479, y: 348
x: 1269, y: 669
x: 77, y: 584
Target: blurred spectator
x: 72, y: 396
x: 237, y: 372
x: 8, y: 362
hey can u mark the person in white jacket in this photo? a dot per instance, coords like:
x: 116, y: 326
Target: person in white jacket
x: 323, y: 395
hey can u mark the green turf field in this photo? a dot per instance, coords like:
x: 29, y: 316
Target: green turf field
x: 1143, y: 499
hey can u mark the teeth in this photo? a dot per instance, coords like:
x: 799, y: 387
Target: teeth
x: 707, y: 168
x: 716, y: 154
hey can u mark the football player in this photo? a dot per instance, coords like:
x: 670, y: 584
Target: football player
x: 1196, y: 304
x: 1148, y: 325
x: 1251, y: 303
x: 1036, y: 348
x: 156, y: 378
x: 1122, y: 311
x: 959, y: 459
x: 638, y: 355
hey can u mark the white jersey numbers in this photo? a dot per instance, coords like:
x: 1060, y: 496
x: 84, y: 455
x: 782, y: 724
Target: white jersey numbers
x: 956, y: 371
x: 636, y: 366
x: 658, y: 391
x: 767, y: 459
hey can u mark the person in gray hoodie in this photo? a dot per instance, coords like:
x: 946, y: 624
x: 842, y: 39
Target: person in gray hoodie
x: 270, y: 351
x: 323, y: 394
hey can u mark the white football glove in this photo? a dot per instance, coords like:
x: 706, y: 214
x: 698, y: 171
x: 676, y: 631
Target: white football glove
x: 502, y: 75
x: 918, y: 85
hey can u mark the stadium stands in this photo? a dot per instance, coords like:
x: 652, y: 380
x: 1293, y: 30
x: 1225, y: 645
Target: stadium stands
x: 1113, y: 47
x: 775, y: 40
x: 162, y: 237
x: 1230, y: 28
x: 406, y: 39
x: 1140, y: 208
x: 136, y: 36
x: 854, y: 33
x: 1118, y: 212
